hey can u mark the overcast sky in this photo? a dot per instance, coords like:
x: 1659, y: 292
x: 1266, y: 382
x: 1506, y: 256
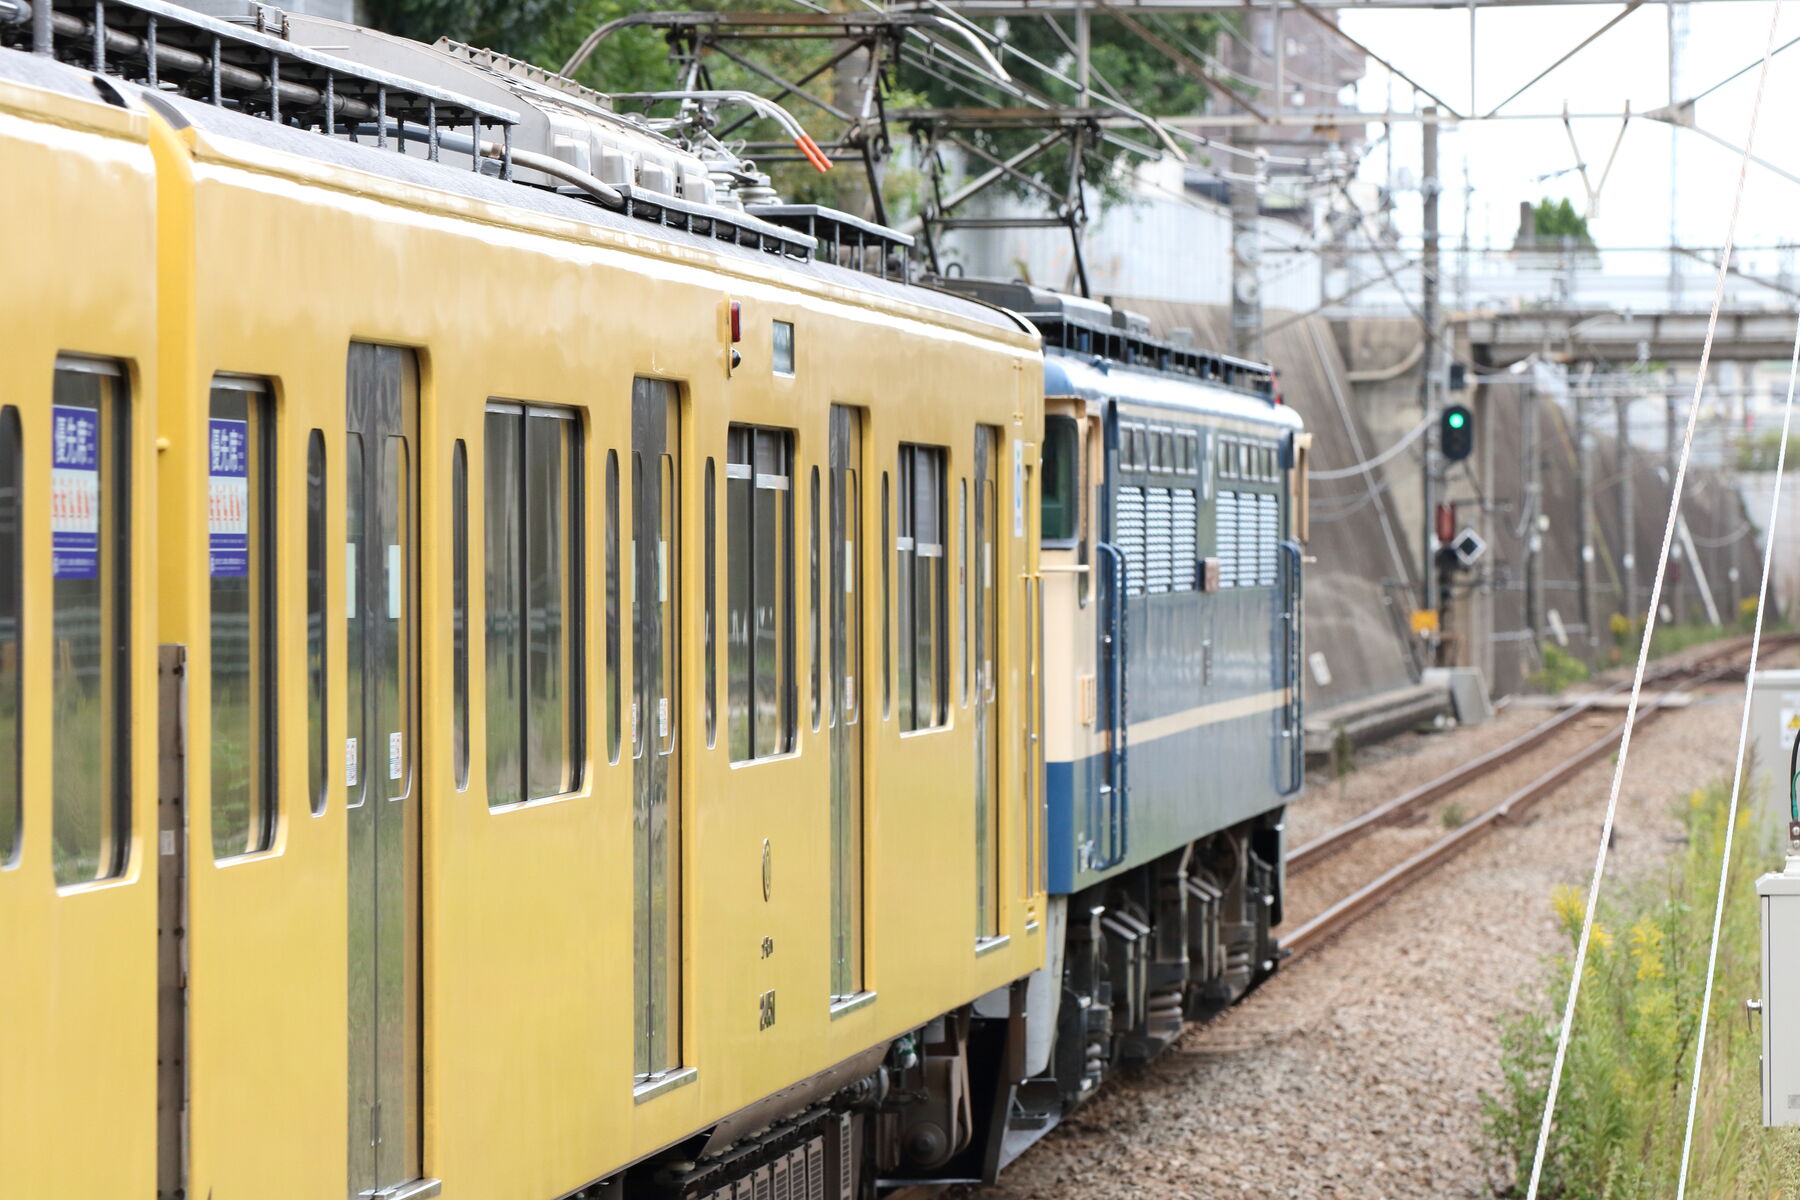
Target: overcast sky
x: 1628, y: 63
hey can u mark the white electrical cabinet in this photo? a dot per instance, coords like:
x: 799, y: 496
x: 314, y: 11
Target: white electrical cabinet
x: 1779, y: 895
x: 1774, y: 722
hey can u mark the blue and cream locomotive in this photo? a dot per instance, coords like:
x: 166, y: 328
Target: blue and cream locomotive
x: 1172, y: 520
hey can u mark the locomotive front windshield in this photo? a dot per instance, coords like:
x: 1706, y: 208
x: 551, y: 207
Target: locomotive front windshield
x: 1061, y: 484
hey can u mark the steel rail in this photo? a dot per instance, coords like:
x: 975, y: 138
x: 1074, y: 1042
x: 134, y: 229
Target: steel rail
x: 1330, y: 842
x: 1332, y: 920
x: 1354, y: 830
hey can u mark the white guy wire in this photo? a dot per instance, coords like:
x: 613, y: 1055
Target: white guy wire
x: 1737, y: 778
x: 1412, y: 435
x: 1637, y: 681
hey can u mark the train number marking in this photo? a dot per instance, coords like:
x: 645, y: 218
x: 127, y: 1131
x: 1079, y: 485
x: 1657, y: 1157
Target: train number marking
x: 766, y: 1010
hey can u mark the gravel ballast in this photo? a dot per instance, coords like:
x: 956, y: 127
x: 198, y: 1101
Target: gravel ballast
x: 1358, y: 1070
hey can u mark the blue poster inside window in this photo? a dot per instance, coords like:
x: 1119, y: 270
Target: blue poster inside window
x: 228, y: 498
x: 74, y: 493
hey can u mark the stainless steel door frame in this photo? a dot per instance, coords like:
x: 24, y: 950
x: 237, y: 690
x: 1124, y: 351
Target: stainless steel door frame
x: 656, y: 724
x: 844, y: 702
x: 382, y: 792
x: 987, y: 726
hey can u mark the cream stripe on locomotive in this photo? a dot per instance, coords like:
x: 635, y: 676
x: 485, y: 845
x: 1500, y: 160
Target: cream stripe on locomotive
x: 1206, y: 714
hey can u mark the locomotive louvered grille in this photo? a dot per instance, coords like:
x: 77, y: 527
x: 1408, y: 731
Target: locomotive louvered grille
x: 1129, y: 537
x: 1268, y: 529
x: 1246, y: 539
x: 1159, y: 541
x: 1226, y: 519
x: 1185, y: 520
x: 1249, y: 539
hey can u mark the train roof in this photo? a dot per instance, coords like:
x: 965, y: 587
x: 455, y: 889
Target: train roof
x: 1093, y: 378
x: 802, y: 242
x: 1096, y: 351
x: 444, y: 177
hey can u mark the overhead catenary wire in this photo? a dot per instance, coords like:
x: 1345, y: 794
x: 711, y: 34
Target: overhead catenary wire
x: 1637, y: 682
x: 1411, y: 436
x: 1737, y: 779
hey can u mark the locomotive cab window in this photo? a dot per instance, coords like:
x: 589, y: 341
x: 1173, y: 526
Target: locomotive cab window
x: 533, y: 629
x: 759, y: 572
x: 923, y: 589
x: 1062, y: 481
x: 240, y: 512
x: 90, y: 803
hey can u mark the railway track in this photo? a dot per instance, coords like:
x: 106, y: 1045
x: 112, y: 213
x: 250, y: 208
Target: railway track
x: 1341, y: 913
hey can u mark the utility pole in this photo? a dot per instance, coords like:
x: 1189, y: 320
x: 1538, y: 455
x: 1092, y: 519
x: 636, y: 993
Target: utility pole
x: 1627, y: 509
x: 1671, y: 455
x: 1678, y: 27
x: 1428, y: 266
x: 1584, y: 514
x: 1246, y: 211
x: 1083, y: 53
x: 1534, y: 534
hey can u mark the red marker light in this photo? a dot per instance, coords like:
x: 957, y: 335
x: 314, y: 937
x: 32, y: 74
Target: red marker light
x: 737, y: 322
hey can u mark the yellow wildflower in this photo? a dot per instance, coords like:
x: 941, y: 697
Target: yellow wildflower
x: 1570, y: 905
x: 1646, y: 949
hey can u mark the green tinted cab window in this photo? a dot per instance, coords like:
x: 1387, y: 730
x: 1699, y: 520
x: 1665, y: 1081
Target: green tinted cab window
x: 1061, y: 486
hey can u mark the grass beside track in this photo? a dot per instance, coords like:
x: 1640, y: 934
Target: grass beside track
x: 1623, y: 1106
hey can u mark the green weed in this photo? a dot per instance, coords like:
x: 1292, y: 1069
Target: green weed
x: 1620, y: 1117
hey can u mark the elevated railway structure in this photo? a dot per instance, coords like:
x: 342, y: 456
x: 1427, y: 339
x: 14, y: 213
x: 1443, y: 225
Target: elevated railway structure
x: 1615, y: 336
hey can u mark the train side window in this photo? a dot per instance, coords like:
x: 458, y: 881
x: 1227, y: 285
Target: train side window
x: 962, y: 579
x: 1301, y: 498
x: 459, y: 610
x: 318, y: 772
x: 533, y: 542
x: 759, y: 570
x: 240, y: 522
x: 1061, y: 490
x: 887, y: 602
x: 710, y: 607
x: 919, y: 551
x: 90, y: 802
x: 612, y: 606
x: 12, y: 587
x: 816, y: 650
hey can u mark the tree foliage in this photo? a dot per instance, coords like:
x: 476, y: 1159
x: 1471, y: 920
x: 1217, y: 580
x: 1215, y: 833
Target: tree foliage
x: 1558, y: 219
x: 1123, y: 68
x: 548, y: 31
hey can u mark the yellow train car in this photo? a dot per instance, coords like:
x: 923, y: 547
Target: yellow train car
x: 78, y: 783
x: 597, y: 732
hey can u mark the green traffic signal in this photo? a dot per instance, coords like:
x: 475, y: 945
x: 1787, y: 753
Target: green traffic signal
x: 1456, y: 433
